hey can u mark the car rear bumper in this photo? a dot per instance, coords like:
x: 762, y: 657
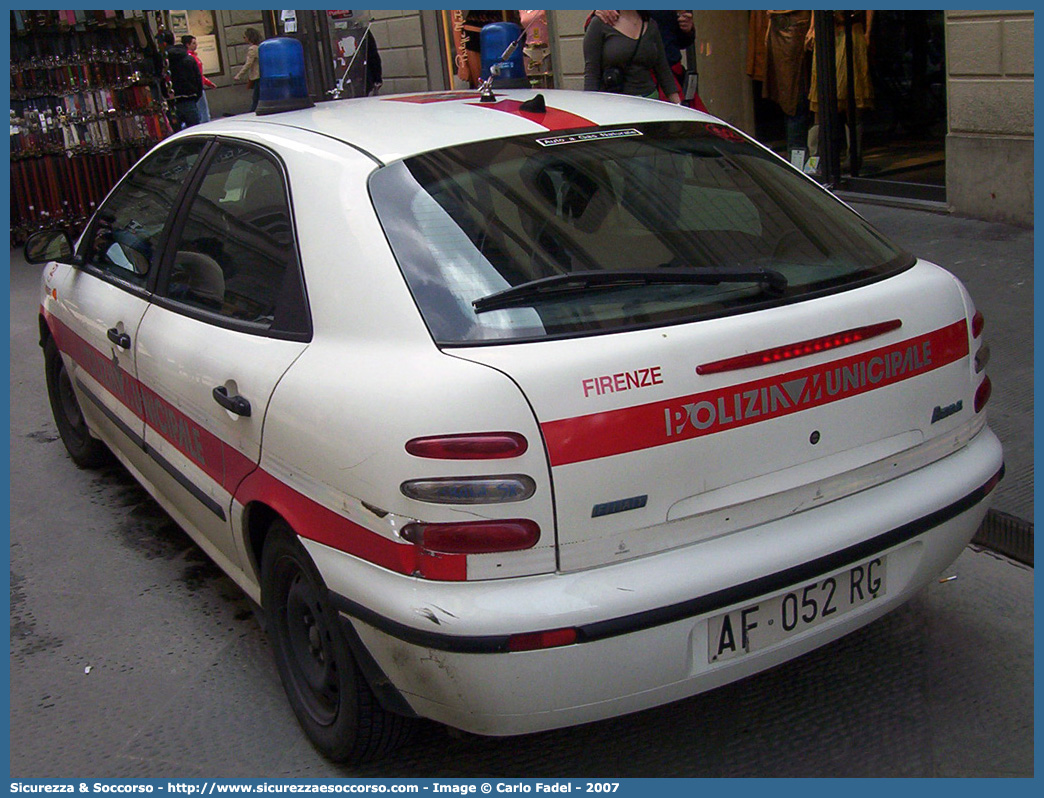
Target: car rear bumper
x: 643, y: 625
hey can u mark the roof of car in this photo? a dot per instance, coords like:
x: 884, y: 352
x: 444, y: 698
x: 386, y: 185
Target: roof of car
x: 397, y: 126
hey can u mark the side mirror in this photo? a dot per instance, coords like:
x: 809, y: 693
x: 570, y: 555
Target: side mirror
x: 47, y: 245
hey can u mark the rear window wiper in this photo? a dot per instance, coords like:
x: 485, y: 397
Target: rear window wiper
x: 526, y: 294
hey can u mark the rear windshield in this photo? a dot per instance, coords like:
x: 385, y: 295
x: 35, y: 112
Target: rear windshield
x: 601, y: 231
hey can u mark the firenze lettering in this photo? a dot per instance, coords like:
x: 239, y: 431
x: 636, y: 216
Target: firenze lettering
x: 623, y: 381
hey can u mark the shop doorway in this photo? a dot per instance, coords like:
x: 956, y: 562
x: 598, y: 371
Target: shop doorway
x: 461, y: 31
x: 904, y: 134
x: 895, y: 143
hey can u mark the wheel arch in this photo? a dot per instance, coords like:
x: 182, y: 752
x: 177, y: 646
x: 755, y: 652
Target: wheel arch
x: 45, y: 329
x: 258, y: 519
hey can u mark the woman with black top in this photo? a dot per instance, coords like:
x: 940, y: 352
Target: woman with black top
x: 627, y: 57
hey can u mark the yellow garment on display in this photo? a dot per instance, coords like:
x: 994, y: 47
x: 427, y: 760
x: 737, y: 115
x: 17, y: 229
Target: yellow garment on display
x: 864, y: 89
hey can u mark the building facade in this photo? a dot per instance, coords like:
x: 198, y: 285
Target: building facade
x: 988, y: 85
x: 989, y: 143
x: 965, y: 116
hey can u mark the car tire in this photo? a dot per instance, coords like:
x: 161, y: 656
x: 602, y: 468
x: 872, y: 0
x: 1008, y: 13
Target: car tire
x: 329, y: 695
x: 84, y: 449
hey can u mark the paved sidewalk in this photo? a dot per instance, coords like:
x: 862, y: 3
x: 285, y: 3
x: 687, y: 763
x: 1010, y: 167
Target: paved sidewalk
x: 995, y: 263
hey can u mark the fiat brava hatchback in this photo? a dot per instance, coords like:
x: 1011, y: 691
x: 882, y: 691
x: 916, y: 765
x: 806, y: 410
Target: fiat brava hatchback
x: 520, y: 413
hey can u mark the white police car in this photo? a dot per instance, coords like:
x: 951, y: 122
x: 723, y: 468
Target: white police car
x: 523, y: 413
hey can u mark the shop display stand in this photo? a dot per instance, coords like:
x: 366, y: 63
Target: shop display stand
x: 87, y: 102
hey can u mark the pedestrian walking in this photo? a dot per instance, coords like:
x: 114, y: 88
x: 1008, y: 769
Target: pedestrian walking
x: 186, y: 80
x: 204, y: 107
x: 251, y: 68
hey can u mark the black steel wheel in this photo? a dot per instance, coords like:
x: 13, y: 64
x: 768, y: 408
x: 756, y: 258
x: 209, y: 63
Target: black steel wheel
x: 86, y: 451
x: 330, y: 697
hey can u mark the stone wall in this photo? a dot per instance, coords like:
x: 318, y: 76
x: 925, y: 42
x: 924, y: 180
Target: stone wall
x: 989, y: 146
x: 567, y: 53
x: 721, y: 59
x: 400, y: 41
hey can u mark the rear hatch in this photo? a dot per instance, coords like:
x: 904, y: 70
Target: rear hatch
x: 617, y: 277
x: 648, y: 454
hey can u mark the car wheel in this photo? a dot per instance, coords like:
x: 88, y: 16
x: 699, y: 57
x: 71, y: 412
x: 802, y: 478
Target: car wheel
x: 333, y: 703
x: 85, y: 450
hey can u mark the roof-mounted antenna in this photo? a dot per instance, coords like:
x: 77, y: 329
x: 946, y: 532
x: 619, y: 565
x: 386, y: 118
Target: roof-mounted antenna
x: 338, y: 90
x: 486, y: 88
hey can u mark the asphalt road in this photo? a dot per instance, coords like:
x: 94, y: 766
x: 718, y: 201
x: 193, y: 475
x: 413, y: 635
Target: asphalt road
x: 133, y: 656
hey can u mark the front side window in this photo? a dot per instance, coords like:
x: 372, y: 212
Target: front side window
x: 125, y: 237
x: 235, y: 253
x: 559, y: 235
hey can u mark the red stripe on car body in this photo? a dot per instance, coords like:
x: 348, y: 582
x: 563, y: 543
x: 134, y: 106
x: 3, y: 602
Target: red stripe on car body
x: 630, y: 429
x: 321, y: 524
x: 241, y: 476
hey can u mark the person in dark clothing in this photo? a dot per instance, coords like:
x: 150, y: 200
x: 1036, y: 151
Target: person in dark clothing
x: 374, y: 73
x: 677, y: 31
x: 470, y: 69
x: 187, y: 82
x: 627, y: 57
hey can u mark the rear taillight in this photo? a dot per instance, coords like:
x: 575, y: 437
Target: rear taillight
x: 474, y: 537
x: 470, y: 490
x: 978, y: 322
x: 470, y: 446
x: 531, y: 641
x: 982, y: 395
x: 799, y: 349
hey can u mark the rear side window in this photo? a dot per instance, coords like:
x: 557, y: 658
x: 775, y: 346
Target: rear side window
x: 235, y: 254
x: 654, y: 224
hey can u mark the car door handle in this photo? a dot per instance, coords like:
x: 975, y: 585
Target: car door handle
x: 233, y: 404
x: 122, y: 340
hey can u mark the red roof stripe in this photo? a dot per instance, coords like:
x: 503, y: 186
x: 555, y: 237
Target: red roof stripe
x: 552, y: 119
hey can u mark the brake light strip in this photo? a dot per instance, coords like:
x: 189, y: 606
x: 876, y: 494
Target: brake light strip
x: 813, y: 346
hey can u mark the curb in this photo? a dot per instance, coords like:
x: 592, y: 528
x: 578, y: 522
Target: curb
x: 1005, y: 534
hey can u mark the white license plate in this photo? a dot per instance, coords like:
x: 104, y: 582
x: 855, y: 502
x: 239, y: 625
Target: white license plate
x: 757, y: 626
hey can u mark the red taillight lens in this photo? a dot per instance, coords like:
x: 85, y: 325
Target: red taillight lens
x: 531, y: 641
x: 982, y: 396
x: 474, y: 537
x: 800, y: 349
x: 471, y: 446
x: 978, y: 322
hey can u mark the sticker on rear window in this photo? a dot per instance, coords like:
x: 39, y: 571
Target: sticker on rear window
x: 576, y: 138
